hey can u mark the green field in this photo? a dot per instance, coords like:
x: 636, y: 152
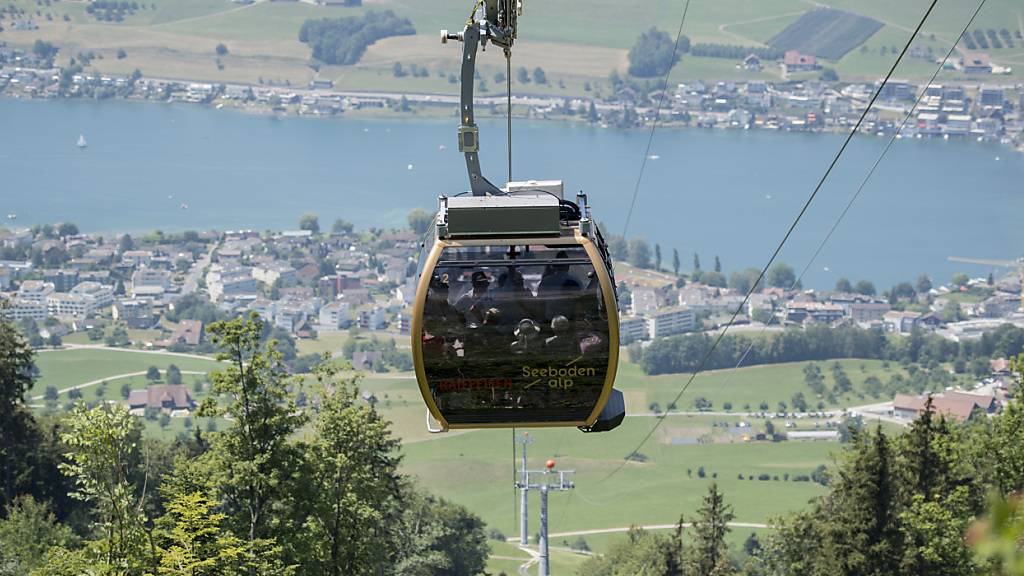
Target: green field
x: 65, y: 368
x: 575, y: 42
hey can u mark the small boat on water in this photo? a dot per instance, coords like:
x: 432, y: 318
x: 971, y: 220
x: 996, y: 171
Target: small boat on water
x: 81, y: 141
x: 12, y: 216
x: 184, y: 206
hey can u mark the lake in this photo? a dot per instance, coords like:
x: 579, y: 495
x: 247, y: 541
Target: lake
x: 726, y: 193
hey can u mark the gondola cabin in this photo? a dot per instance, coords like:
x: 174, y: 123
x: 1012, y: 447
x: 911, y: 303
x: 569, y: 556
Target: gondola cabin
x: 515, y: 320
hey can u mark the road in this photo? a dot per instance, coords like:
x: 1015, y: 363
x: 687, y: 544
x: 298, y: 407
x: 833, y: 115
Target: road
x: 195, y: 273
x: 535, y: 555
x: 107, y: 379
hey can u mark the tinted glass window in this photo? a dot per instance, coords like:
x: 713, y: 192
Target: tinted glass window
x: 515, y: 334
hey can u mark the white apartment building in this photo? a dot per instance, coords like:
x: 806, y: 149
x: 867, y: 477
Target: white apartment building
x: 100, y: 296
x: 68, y: 306
x: 14, y: 309
x: 671, y: 321
x: 35, y: 290
x: 272, y: 272
x: 632, y: 328
x: 334, y: 315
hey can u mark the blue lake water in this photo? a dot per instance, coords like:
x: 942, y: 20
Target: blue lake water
x: 726, y: 193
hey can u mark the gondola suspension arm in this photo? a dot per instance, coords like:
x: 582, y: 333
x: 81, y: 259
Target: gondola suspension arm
x: 499, y: 27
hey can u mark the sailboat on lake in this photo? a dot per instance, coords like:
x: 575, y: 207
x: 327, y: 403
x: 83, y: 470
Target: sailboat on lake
x: 81, y: 141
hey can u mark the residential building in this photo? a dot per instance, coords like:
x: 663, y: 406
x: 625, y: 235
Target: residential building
x: 822, y: 312
x: 976, y: 63
x: 991, y: 96
x: 404, y: 320
x: 99, y: 295
x: 632, y: 329
x: 16, y: 308
x: 794, y: 61
x: 959, y: 405
x: 137, y: 313
x: 291, y: 318
x: 164, y: 397
x: 137, y: 258
x: 868, y: 311
x: 669, y: 321
x: 188, y: 333
x: 273, y: 272
x: 150, y: 282
x: 897, y: 322
x: 62, y: 280
x: 334, y: 315
x: 68, y: 306
x: 372, y: 319
x: 35, y: 290
x: 645, y: 300
x: 230, y: 282
x: 365, y: 361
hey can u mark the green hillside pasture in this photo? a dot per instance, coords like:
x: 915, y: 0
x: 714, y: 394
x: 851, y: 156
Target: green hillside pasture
x: 826, y: 33
x: 772, y: 383
x: 475, y: 469
x: 65, y: 368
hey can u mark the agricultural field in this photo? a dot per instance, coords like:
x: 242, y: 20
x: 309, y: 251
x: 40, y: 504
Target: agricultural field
x: 826, y: 33
x: 177, y: 39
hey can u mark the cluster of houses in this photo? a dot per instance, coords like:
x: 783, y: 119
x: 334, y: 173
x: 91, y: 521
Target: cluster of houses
x: 986, y: 111
x: 78, y: 277
x: 657, y: 310
x: 363, y: 286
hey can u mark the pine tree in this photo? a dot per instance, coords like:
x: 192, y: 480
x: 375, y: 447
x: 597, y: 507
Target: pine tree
x: 863, y: 536
x: 675, y: 262
x: 657, y: 257
x: 696, y: 261
x: 709, y: 554
x: 718, y: 264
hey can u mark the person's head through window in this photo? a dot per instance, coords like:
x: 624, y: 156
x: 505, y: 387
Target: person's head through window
x: 480, y: 283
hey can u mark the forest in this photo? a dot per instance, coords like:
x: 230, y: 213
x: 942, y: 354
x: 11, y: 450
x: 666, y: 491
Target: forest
x: 343, y: 41
x: 279, y: 490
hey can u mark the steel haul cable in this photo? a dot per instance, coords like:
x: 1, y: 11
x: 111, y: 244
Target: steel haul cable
x: 785, y: 238
x: 657, y: 116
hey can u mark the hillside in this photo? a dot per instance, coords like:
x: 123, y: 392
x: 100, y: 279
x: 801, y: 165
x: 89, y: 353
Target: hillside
x: 179, y: 39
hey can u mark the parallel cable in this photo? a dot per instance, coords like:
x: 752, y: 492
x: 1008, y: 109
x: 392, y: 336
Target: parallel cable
x: 657, y: 116
x: 864, y: 182
x: 785, y: 238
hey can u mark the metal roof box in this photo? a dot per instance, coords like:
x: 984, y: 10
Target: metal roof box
x: 519, y: 215
x: 554, y: 187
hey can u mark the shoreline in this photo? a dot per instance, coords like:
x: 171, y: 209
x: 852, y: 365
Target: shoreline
x: 403, y: 105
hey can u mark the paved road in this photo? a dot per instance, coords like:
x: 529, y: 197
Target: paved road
x: 192, y: 278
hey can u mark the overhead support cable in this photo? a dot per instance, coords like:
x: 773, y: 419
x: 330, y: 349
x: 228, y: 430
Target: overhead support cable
x: 789, y: 232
